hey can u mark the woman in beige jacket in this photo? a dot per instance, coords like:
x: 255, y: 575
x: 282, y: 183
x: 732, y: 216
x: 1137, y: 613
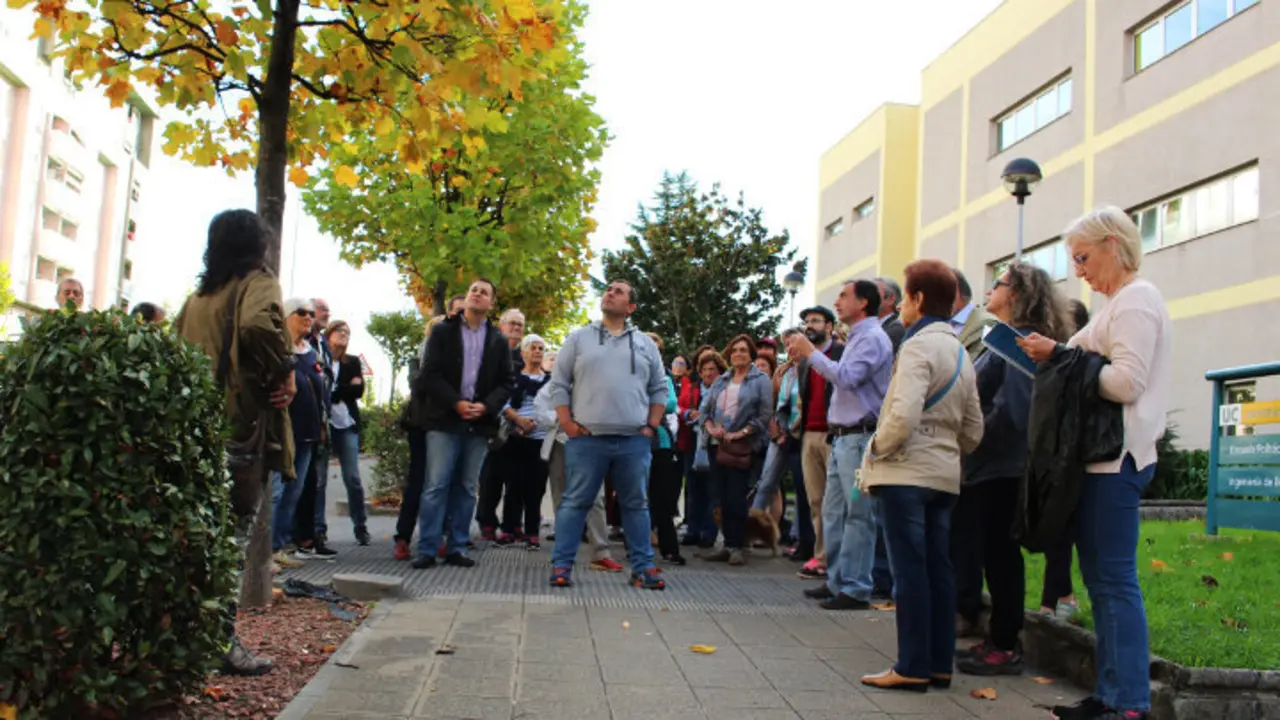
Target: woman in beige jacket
x: 931, y: 416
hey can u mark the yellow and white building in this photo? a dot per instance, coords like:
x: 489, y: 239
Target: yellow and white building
x: 72, y: 172
x: 1168, y: 109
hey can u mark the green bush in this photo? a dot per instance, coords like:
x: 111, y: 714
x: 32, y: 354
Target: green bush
x: 382, y: 437
x: 117, y: 560
x: 1180, y: 474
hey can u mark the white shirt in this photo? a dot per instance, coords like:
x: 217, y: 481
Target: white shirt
x: 339, y: 416
x: 1134, y: 331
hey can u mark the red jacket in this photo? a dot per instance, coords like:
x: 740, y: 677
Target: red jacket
x: 688, y: 397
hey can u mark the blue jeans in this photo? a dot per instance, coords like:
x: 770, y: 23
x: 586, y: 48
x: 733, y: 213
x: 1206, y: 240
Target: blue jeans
x: 699, y: 515
x: 849, y: 525
x: 625, y: 459
x: 917, y: 533
x: 320, y: 466
x: 347, y: 444
x: 1107, y: 543
x: 284, y: 495
x: 449, y: 493
x: 775, y: 462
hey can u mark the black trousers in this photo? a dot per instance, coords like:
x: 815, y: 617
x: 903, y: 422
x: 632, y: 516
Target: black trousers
x: 992, y: 504
x: 664, y: 492
x: 407, y: 521
x: 1057, y: 572
x: 966, y: 553
x: 731, y: 485
x: 490, y: 493
x: 524, y: 475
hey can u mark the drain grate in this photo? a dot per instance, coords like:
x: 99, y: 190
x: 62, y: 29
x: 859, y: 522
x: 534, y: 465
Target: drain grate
x: 510, y: 574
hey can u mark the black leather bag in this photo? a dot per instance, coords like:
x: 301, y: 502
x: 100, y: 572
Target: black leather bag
x: 734, y: 454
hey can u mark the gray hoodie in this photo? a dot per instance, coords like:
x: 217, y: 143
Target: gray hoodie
x: 609, y: 381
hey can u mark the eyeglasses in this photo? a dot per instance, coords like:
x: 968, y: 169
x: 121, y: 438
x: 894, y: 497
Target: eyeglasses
x: 999, y: 283
x: 303, y: 312
x: 679, y: 363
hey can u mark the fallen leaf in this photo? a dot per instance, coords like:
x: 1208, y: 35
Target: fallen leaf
x: 702, y: 649
x: 664, y: 608
x: 277, y: 594
x: 1228, y: 556
x: 626, y: 625
x: 214, y: 691
x: 329, y: 648
x: 1159, y: 566
x: 1042, y: 680
x: 887, y: 605
x: 8, y: 712
x: 983, y: 693
x: 446, y: 650
x: 1209, y: 581
x: 1234, y: 623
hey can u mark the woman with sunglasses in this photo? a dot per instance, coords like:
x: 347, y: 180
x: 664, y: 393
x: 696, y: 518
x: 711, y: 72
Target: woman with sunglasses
x: 306, y: 415
x: 1134, y: 332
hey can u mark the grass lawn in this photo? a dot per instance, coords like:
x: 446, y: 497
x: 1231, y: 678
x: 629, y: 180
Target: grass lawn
x: 1211, y: 602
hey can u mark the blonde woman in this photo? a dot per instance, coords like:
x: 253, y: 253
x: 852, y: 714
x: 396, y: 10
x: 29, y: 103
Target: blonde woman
x: 1134, y: 332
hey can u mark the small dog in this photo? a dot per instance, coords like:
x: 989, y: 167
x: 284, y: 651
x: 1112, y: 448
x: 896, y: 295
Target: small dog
x: 761, y: 530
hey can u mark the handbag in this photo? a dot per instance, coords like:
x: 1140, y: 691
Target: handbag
x: 734, y: 454
x: 246, y: 458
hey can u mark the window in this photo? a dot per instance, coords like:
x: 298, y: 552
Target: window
x: 1045, y: 106
x: 57, y: 172
x: 1180, y: 25
x: 45, y: 269
x: 51, y: 220
x: 864, y: 209
x: 1209, y: 207
x: 1050, y: 256
x: 835, y: 228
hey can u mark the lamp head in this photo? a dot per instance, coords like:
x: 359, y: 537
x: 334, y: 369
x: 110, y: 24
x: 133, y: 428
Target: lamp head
x: 1020, y: 176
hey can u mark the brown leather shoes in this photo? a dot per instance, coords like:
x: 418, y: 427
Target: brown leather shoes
x: 891, y: 680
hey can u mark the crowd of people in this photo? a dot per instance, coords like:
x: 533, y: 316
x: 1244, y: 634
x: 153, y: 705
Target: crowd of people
x: 916, y: 447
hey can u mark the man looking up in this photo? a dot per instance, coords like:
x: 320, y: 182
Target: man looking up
x: 815, y: 396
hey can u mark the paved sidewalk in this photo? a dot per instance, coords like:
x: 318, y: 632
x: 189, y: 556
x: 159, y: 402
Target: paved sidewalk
x: 543, y: 658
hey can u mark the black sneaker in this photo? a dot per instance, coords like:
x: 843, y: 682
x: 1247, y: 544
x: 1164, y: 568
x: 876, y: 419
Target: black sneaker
x: 425, y: 562
x: 844, y: 602
x: 457, y: 559
x: 991, y: 662
x: 362, y: 537
x: 324, y: 552
x: 1090, y: 708
x: 822, y: 592
x: 532, y: 545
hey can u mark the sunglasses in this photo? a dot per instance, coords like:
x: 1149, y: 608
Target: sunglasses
x: 998, y: 284
x: 303, y: 312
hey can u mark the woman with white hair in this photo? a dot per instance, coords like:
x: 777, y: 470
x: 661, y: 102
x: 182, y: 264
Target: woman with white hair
x: 1134, y: 332
x: 520, y: 464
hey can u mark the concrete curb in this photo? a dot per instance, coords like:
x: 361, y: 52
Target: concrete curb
x: 306, y: 699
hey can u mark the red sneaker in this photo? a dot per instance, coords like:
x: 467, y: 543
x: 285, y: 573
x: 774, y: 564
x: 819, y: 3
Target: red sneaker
x: 606, y: 564
x: 402, y: 550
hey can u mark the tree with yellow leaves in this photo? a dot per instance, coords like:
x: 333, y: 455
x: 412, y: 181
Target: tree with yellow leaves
x: 511, y: 203
x: 272, y: 84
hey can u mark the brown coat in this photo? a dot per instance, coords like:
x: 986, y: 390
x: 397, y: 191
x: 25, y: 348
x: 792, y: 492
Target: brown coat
x: 261, y: 356
x: 914, y: 446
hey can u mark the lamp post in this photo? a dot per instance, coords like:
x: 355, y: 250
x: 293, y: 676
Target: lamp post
x: 793, y: 281
x: 1020, y: 175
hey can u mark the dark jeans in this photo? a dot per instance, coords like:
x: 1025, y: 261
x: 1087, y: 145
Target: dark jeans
x: 407, y: 521
x: 1001, y: 557
x: 803, y: 529
x: 917, y: 531
x: 664, y: 490
x: 700, y: 503
x: 731, y: 485
x: 525, y: 475
x: 305, y: 529
x: 1057, y: 572
x: 318, y: 500
x: 491, y: 484
x: 881, y: 574
x: 1107, y: 540
x: 966, y: 553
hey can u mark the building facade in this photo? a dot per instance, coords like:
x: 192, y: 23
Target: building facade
x: 1166, y: 109
x: 72, y: 172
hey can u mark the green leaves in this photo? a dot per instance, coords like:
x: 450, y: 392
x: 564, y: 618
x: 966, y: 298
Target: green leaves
x: 110, y: 444
x: 704, y: 267
x: 399, y: 334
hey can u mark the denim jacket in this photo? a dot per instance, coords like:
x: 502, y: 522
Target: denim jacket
x: 755, y: 400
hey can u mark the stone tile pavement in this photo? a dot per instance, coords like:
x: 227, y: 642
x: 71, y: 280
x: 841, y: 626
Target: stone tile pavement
x: 542, y: 657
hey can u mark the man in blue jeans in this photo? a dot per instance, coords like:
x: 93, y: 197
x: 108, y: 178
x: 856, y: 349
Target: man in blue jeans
x: 610, y: 393
x: 860, y: 380
x: 466, y: 376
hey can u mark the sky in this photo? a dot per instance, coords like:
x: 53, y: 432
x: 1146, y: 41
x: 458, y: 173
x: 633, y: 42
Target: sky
x: 747, y: 93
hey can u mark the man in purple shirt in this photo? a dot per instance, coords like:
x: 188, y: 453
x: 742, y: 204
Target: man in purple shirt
x: 860, y: 380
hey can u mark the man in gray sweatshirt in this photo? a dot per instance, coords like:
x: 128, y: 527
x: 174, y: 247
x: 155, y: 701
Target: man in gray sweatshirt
x: 610, y: 393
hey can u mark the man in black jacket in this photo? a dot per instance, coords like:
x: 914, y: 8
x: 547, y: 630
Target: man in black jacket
x: 466, y: 378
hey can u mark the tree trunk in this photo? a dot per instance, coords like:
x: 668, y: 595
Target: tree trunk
x: 273, y: 159
x: 394, y: 373
x: 439, y: 301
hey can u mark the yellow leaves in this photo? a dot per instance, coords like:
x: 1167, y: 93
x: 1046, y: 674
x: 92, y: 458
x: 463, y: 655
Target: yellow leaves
x: 43, y: 28
x: 298, y: 176
x: 458, y: 181
x: 118, y: 92
x: 702, y: 649
x: 1160, y: 566
x: 385, y: 125
x: 344, y: 175
x: 247, y: 106
x: 7, y: 711
x: 884, y: 606
x: 521, y: 10
x: 226, y: 33
x: 986, y: 693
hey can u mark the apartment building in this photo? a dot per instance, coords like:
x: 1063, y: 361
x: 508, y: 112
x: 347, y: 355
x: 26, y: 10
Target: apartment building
x: 1166, y: 109
x: 72, y: 172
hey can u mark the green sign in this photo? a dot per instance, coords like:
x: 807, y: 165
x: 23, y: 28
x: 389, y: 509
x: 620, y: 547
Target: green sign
x: 1249, y: 450
x: 1248, y: 481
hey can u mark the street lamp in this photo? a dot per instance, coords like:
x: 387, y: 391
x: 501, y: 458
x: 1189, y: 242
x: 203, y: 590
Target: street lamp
x: 793, y: 281
x: 1020, y: 175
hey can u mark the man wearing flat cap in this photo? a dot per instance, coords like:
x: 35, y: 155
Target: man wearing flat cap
x: 815, y: 396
